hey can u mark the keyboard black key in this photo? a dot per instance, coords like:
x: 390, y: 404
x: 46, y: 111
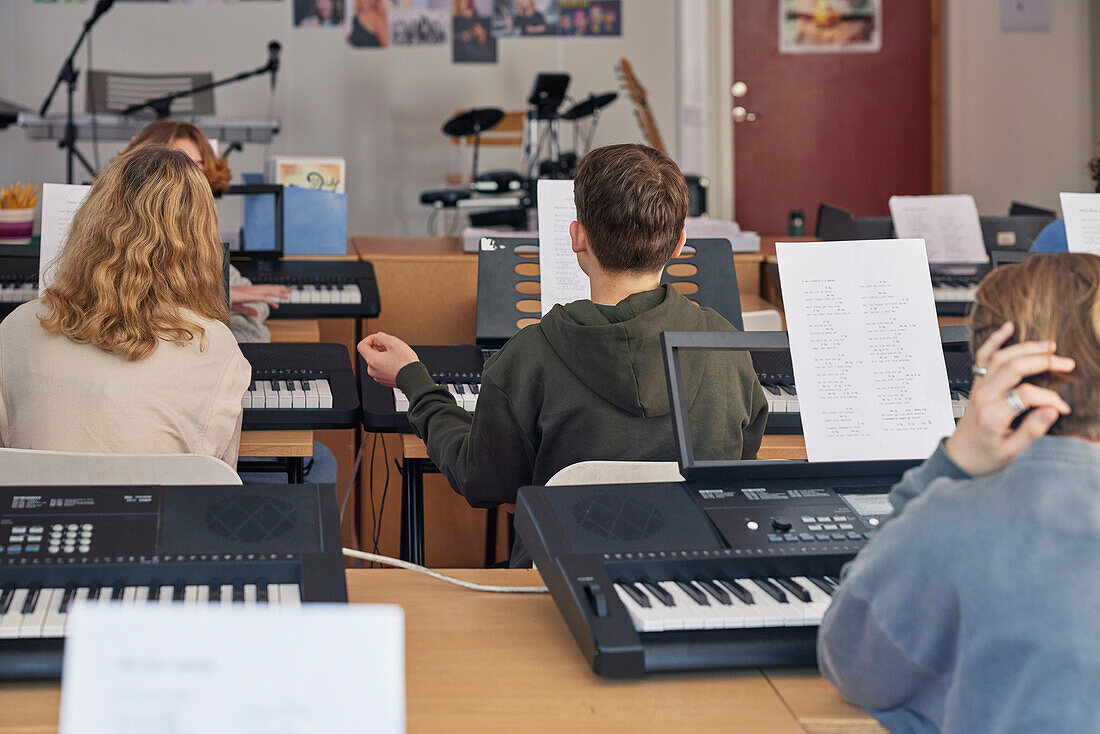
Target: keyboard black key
x: 737, y: 590
x: 796, y: 589
x: 660, y: 594
x: 5, y: 597
x: 32, y: 599
x: 697, y: 596
x: 771, y: 590
x: 632, y: 591
x: 177, y: 592
x: 822, y: 584
x: 715, y: 591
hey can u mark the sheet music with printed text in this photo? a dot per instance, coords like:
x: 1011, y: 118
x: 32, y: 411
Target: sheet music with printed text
x: 1082, y: 215
x: 562, y: 279
x: 59, y: 204
x: 868, y: 362
x: 949, y: 225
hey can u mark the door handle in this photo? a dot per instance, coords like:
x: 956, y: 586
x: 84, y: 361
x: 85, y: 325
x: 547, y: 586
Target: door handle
x: 740, y: 114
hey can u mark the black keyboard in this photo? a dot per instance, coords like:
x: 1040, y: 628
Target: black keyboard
x: 320, y: 288
x: 254, y: 545
x: 456, y: 367
x: 730, y: 572
x: 300, y: 386
x: 955, y: 287
x: 18, y: 282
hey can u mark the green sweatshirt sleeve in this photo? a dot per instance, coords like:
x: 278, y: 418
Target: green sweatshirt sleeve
x: 486, y: 457
x: 753, y: 434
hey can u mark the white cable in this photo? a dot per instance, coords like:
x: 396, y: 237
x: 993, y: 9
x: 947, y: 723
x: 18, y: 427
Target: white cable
x: 387, y: 561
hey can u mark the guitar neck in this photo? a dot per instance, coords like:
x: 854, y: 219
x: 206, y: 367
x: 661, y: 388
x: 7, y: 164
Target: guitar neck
x: 649, y: 127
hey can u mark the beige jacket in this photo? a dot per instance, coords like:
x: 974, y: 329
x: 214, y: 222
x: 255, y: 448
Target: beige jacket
x: 58, y: 395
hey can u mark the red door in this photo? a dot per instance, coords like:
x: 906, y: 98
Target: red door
x: 850, y: 129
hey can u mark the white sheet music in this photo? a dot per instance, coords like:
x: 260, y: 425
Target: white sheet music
x: 868, y: 362
x: 562, y: 279
x: 59, y: 204
x: 1082, y: 215
x: 240, y: 670
x: 948, y: 224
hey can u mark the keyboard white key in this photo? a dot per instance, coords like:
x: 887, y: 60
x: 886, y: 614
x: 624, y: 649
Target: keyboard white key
x: 313, y: 400
x: 290, y: 595
x: 777, y: 399
x: 225, y: 594
x: 164, y: 596
x: 10, y: 621
x: 54, y: 624
x: 286, y: 397
x: 141, y: 594
x: 324, y: 394
x: 31, y: 624
x: 250, y: 595
x: 693, y: 615
x: 400, y: 401
x: 297, y: 394
x: 104, y: 595
x: 645, y: 619
x: 273, y: 594
x: 819, y: 600
x: 129, y: 595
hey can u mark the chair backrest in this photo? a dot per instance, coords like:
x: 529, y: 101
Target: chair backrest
x: 114, y: 91
x: 617, y: 472
x: 765, y: 320
x: 30, y: 467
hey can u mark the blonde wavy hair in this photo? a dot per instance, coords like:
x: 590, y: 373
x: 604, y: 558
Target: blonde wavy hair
x: 165, y: 132
x: 143, y: 250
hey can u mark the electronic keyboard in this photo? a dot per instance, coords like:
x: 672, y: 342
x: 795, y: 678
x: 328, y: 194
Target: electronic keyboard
x: 300, y: 386
x: 319, y: 288
x: 110, y: 126
x: 273, y: 545
x: 776, y: 374
x: 18, y: 282
x: 736, y: 572
x: 954, y: 287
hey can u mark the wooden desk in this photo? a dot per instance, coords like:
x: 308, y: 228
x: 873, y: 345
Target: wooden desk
x: 293, y: 330
x: 484, y: 663
x: 290, y: 447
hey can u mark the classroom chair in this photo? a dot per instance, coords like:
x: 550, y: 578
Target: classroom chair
x: 31, y: 467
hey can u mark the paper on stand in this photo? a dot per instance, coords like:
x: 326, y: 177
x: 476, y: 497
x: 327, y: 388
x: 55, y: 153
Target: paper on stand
x: 562, y: 280
x: 320, y: 668
x: 868, y: 362
x: 1082, y: 215
x: 59, y: 204
x: 949, y: 225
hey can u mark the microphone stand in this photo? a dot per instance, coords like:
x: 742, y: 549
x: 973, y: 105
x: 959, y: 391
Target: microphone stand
x: 69, y: 75
x: 162, y: 106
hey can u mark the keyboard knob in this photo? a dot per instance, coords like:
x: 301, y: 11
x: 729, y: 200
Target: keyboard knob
x: 781, y: 524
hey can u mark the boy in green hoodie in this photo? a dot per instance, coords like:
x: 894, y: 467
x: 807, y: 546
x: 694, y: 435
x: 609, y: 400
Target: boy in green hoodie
x: 588, y: 381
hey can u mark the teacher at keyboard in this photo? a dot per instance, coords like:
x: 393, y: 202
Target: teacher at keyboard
x: 129, y: 349
x: 976, y: 606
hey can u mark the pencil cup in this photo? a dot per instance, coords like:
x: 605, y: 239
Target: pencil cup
x: 16, y: 226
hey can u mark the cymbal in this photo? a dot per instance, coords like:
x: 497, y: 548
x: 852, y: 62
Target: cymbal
x: 590, y: 105
x: 473, y: 122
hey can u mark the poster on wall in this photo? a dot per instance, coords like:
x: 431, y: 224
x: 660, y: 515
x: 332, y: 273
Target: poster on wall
x: 512, y: 18
x: 420, y: 23
x: 368, y: 24
x: 590, y: 18
x: 830, y: 26
x: 317, y: 13
x: 472, y: 36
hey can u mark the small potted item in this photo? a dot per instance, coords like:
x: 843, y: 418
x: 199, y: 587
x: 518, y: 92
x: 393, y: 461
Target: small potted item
x: 17, y: 203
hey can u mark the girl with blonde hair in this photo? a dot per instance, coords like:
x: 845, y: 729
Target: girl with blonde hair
x: 129, y: 349
x: 250, y: 304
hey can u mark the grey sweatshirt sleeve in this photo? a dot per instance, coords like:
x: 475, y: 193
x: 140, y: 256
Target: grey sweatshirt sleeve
x: 890, y: 629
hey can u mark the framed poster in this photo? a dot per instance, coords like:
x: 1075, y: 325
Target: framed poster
x: 830, y: 26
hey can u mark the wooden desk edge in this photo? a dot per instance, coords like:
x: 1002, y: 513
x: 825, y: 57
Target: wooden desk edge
x: 276, y: 443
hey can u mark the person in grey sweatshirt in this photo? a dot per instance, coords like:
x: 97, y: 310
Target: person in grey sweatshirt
x: 976, y: 607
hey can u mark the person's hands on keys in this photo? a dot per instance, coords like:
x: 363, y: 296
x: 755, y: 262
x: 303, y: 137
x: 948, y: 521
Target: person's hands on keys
x: 984, y: 440
x: 240, y: 295
x: 385, y: 356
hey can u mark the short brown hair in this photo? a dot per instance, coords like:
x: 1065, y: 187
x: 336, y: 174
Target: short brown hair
x: 163, y: 132
x: 632, y: 201
x: 142, y: 252
x: 1051, y: 296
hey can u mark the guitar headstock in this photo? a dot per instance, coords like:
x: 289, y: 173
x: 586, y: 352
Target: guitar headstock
x: 638, y: 94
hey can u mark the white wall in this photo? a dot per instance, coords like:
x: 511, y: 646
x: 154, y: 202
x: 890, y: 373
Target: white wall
x: 1019, y: 108
x: 380, y: 109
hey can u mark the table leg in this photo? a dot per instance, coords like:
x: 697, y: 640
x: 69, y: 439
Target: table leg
x: 295, y: 470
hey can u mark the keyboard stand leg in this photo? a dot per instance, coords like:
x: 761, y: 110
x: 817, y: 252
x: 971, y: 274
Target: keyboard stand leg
x: 412, y: 511
x: 491, y: 537
x: 295, y: 470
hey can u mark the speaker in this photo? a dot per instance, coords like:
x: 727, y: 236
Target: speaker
x: 618, y: 516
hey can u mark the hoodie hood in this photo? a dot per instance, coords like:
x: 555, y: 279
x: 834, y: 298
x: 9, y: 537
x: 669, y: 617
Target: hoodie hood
x: 616, y: 350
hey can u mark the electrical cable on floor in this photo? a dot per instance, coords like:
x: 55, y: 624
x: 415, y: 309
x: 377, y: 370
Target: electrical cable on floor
x: 388, y: 561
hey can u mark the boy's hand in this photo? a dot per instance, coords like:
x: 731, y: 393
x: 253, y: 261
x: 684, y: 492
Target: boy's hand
x: 984, y: 441
x: 385, y: 356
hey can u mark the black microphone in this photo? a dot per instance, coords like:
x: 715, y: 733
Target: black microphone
x: 273, y: 50
x: 101, y: 7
